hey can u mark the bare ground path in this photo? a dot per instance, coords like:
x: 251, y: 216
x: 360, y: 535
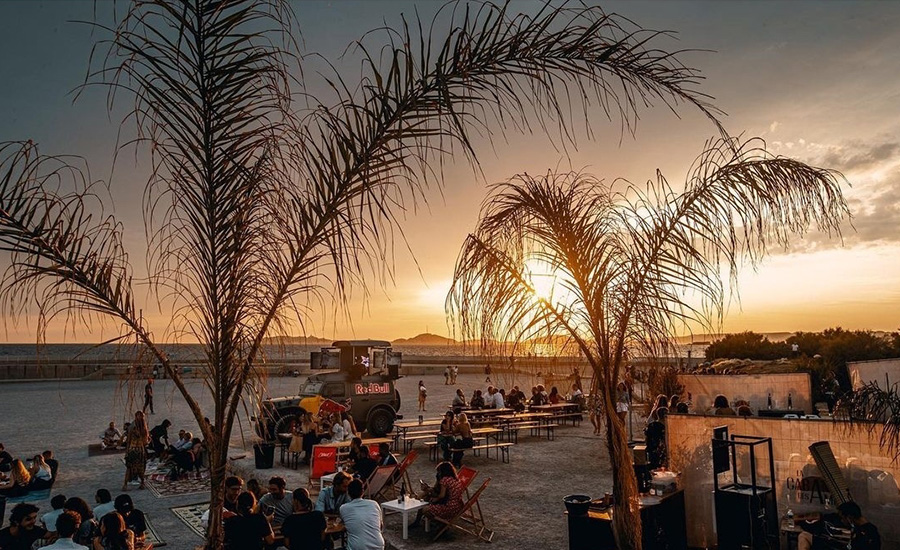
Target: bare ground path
x: 523, y: 503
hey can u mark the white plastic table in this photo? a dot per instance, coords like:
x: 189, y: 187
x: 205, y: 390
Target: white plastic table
x: 405, y: 507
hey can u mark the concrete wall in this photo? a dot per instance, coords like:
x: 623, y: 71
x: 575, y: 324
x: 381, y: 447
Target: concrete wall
x: 883, y: 372
x: 868, y: 468
x: 754, y: 388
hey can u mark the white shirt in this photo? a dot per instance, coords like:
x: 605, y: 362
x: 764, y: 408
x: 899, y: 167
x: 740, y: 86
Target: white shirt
x: 362, y: 518
x: 494, y: 401
x: 101, y: 510
x: 49, y: 519
x: 64, y: 544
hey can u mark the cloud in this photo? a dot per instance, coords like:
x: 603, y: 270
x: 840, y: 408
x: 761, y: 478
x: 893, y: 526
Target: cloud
x: 774, y: 126
x: 857, y: 155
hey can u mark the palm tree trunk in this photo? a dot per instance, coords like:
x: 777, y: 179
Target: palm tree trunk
x: 218, y: 460
x: 626, y: 508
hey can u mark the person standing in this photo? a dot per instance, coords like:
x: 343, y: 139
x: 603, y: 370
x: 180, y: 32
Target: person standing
x: 454, y: 372
x: 136, y: 450
x: 362, y: 519
x: 423, y: 394
x: 148, y: 396
x: 447, y: 376
x: 305, y: 528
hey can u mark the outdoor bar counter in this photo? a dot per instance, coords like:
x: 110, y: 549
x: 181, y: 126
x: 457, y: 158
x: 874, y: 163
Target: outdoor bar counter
x: 662, y: 519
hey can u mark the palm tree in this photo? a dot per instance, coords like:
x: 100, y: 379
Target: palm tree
x: 264, y: 199
x: 629, y: 268
x: 871, y: 407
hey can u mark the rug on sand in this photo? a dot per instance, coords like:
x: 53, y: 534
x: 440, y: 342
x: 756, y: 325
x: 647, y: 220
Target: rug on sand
x: 152, y: 535
x: 188, y: 484
x: 191, y: 515
x: 95, y: 449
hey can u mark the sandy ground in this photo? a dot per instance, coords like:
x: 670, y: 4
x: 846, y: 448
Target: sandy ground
x: 523, y: 503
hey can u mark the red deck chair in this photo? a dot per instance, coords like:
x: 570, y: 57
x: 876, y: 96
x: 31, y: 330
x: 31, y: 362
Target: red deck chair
x: 402, y: 473
x: 469, y: 519
x: 465, y: 475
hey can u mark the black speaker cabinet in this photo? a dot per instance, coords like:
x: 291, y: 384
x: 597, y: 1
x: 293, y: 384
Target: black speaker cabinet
x: 746, y: 518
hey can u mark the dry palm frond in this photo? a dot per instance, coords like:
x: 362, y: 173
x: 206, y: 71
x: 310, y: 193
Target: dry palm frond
x: 872, y: 407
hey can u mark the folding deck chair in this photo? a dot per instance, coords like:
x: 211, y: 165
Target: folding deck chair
x: 377, y: 485
x: 469, y: 519
x: 465, y: 475
x: 402, y: 473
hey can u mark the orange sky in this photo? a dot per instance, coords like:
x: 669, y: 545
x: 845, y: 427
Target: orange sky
x: 819, y: 81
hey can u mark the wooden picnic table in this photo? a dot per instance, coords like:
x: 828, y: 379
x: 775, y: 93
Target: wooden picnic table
x: 561, y: 411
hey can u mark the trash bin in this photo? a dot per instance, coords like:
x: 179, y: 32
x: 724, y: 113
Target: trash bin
x: 264, y: 455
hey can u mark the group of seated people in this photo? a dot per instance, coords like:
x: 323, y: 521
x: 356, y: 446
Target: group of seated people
x: 74, y: 524
x: 185, y: 455
x: 313, y: 429
x: 18, y: 479
x: 251, y: 520
x: 499, y: 398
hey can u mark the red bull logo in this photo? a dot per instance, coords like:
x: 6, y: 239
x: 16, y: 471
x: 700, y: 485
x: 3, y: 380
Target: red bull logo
x: 371, y: 388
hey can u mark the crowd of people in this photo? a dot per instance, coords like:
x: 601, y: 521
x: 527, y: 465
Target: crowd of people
x: 73, y: 524
x: 323, y: 427
x: 20, y: 476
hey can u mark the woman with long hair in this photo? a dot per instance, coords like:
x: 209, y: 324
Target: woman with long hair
x: 41, y: 475
x: 136, y: 450
x: 248, y: 529
x: 88, y: 528
x: 445, y: 498
x: 463, y: 439
x: 18, y: 482
x: 554, y: 396
x: 114, y: 535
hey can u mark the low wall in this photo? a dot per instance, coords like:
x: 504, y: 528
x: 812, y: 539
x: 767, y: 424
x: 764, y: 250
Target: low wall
x: 869, y: 471
x: 754, y: 388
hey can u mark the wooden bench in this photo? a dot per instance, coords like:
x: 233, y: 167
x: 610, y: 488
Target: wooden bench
x: 502, y: 450
x: 575, y: 417
x: 433, y: 448
x: 410, y: 440
x: 535, y: 427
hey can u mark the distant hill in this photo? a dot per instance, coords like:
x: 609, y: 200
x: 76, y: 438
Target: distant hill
x: 425, y: 339
x: 297, y: 341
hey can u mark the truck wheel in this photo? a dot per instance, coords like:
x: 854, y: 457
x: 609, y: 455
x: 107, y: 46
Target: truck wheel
x: 284, y: 420
x: 380, y: 422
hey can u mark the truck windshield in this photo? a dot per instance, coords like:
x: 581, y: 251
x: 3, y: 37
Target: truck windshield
x: 311, y: 387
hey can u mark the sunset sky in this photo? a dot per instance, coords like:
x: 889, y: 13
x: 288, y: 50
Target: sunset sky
x: 819, y: 81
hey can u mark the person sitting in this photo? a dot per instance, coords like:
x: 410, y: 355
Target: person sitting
x: 477, y: 401
x: 52, y: 462
x: 576, y: 396
x: 111, y: 437
x: 543, y: 391
x: 89, y: 527
x: 512, y: 398
x: 134, y: 518
x: 311, y: 436
x: 365, y: 465
x: 353, y: 452
x: 463, y: 438
x: 459, y: 401
x: 536, y: 397
x: 494, y: 399
x: 305, y: 528
x: 863, y: 534
x: 66, y: 526
x: 159, y: 438
x: 350, y: 430
x: 255, y: 487
x: 658, y: 403
x: 362, y: 519
x: 41, y: 476
x: 18, y: 482
x: 189, y: 458
x: 113, y: 534
x: 275, y: 504
x: 48, y: 520
x: 720, y: 404
x: 22, y: 531
x: 105, y: 505
x: 445, y: 434
x: 745, y: 410
x: 332, y: 498
x: 655, y: 433
x: 248, y: 530
x: 6, y: 459
x: 554, y: 397
x: 682, y: 408
x: 445, y: 498
x: 385, y: 456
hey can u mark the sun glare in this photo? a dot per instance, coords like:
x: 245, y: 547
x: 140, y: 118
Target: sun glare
x: 540, y: 275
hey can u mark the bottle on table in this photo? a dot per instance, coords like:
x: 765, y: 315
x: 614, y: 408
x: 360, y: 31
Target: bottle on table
x: 402, y: 497
x: 790, y: 518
